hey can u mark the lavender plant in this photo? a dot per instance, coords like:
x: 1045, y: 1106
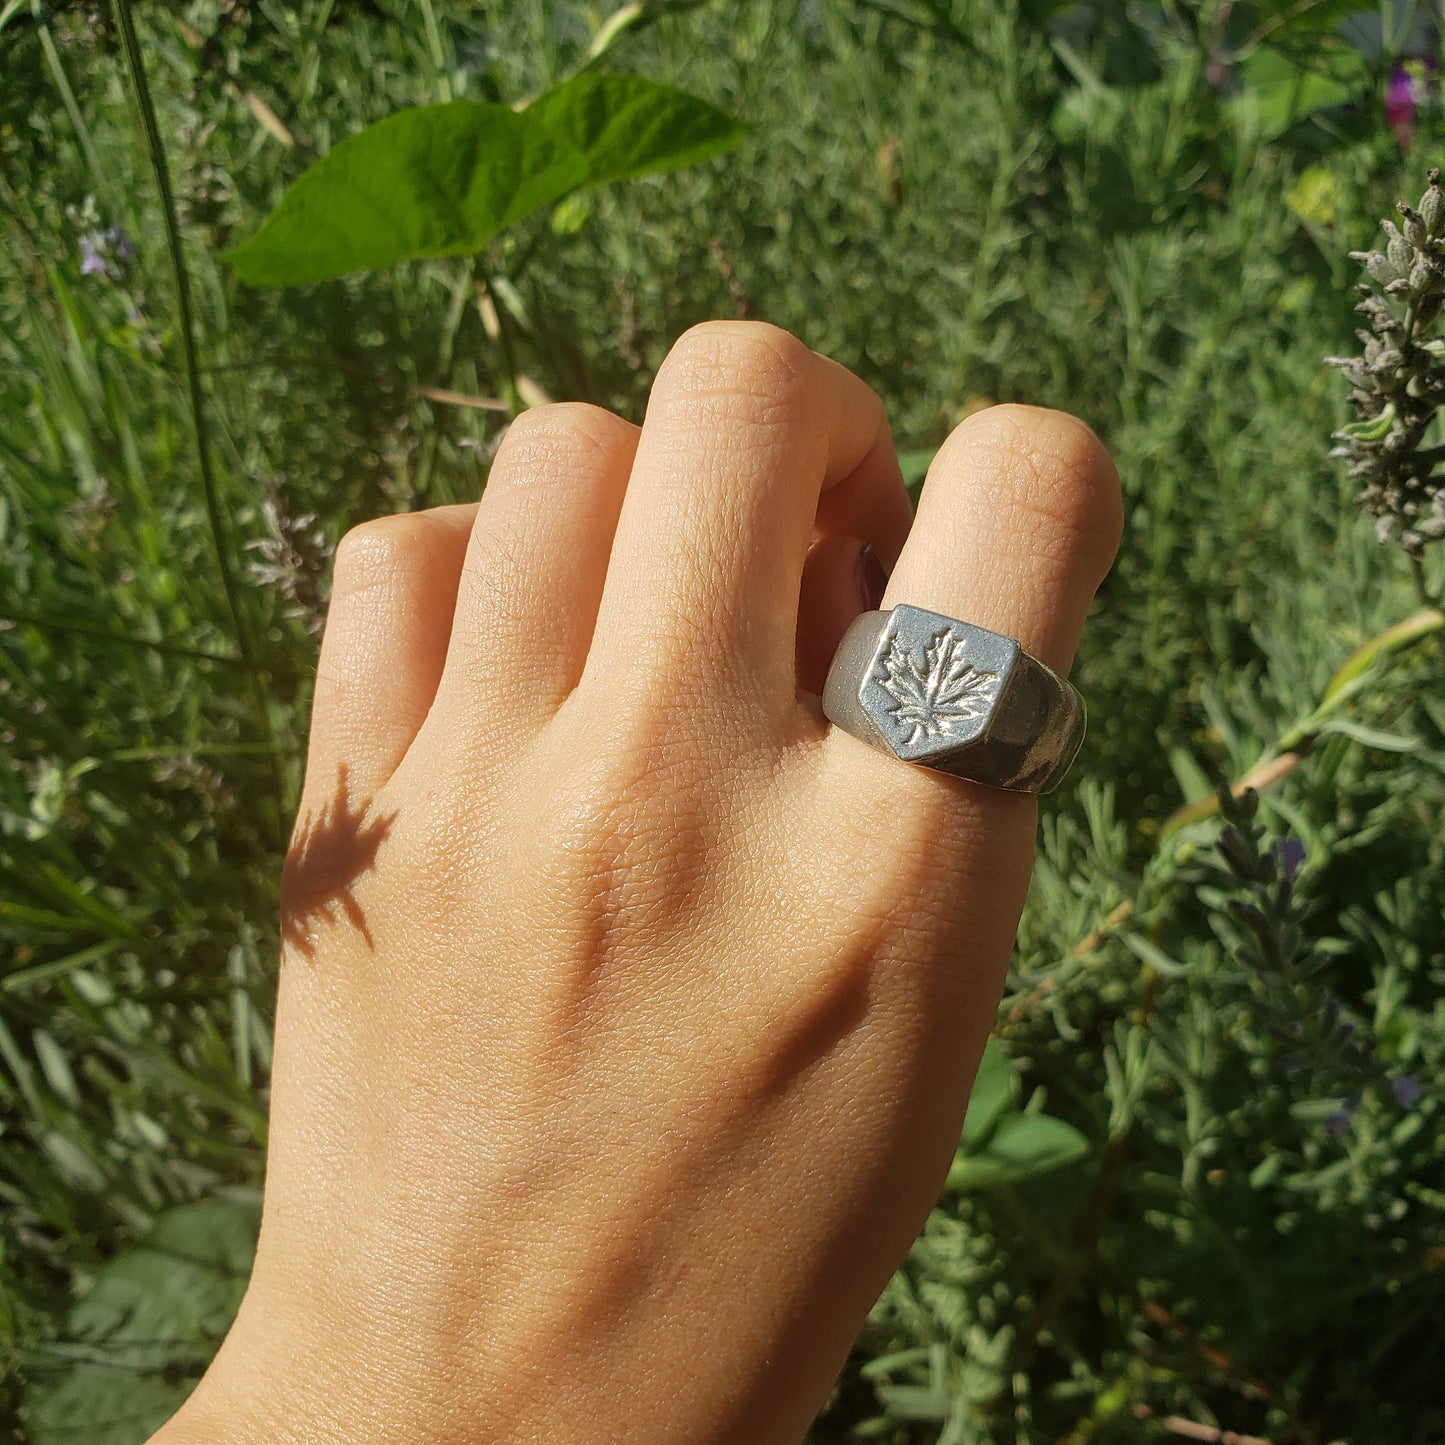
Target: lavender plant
x: 1317, y: 1036
x: 1234, y: 1249
x: 292, y: 559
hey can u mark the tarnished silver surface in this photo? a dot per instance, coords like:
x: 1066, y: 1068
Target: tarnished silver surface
x: 932, y: 690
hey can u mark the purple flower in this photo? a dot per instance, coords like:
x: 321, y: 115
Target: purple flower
x: 106, y: 253
x: 1406, y: 1089
x: 1342, y: 1120
x: 91, y: 260
x: 1290, y: 853
x: 1408, y: 88
x: 121, y: 246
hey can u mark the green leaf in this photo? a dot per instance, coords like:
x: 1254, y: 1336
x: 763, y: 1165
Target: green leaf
x: 1193, y: 782
x: 1288, y: 18
x: 1371, y: 737
x: 1023, y: 1146
x: 1374, y: 430
x: 1090, y: 113
x: 95, y: 1405
x: 139, y: 1338
x: 1154, y: 956
x: 915, y: 1402
x: 443, y: 180
x: 1281, y: 91
x: 995, y: 1091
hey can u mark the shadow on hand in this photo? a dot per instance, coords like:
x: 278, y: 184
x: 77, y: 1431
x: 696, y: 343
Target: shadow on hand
x: 331, y: 848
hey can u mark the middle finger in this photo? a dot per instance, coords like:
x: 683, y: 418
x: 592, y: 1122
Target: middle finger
x: 746, y: 430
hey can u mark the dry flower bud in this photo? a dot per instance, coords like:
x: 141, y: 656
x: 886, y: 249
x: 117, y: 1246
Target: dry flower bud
x: 1378, y: 267
x: 1432, y: 209
x: 1401, y: 253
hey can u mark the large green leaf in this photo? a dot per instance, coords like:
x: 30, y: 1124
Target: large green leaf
x: 1287, y: 19
x: 1280, y: 91
x: 1022, y: 1146
x: 141, y: 1335
x: 442, y: 180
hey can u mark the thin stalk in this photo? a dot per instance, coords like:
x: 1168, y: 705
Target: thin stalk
x: 98, y: 173
x: 1422, y: 624
x: 629, y: 17
x: 1285, y: 755
x: 504, y: 343
x: 130, y: 45
x: 438, y: 52
x: 938, y: 23
x: 67, y: 628
x: 1417, y: 571
x: 466, y: 288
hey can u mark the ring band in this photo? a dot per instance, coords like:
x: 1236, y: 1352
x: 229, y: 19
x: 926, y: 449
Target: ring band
x: 932, y: 690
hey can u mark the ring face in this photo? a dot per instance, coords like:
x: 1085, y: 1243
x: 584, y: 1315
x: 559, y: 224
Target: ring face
x: 933, y: 683
x: 948, y: 695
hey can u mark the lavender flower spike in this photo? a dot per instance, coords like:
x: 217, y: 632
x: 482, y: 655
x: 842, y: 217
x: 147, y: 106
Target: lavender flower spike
x: 106, y: 253
x: 91, y: 261
x: 1290, y: 854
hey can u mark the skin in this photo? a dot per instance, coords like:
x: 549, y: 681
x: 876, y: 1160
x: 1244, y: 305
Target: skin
x: 628, y: 1012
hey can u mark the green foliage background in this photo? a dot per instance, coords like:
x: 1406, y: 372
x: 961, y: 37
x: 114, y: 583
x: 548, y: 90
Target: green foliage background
x: 962, y: 205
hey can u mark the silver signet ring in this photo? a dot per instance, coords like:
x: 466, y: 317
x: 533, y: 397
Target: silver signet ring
x: 945, y: 694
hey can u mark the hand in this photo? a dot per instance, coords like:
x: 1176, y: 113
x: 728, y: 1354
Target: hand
x: 628, y: 1012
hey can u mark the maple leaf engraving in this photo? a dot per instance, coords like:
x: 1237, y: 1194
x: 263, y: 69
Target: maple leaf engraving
x: 937, y: 699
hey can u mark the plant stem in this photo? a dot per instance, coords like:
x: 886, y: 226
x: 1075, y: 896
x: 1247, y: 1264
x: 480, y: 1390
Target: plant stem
x: 68, y: 628
x: 98, y: 173
x: 135, y: 64
x: 504, y: 343
x: 438, y: 52
x: 1417, y: 570
x: 938, y: 23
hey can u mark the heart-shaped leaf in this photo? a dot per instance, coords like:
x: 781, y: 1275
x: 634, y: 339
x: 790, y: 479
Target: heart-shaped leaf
x: 443, y: 180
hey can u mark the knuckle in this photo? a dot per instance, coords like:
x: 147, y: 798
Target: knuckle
x: 546, y: 440
x: 747, y: 370
x: 1053, y: 467
x: 377, y: 552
